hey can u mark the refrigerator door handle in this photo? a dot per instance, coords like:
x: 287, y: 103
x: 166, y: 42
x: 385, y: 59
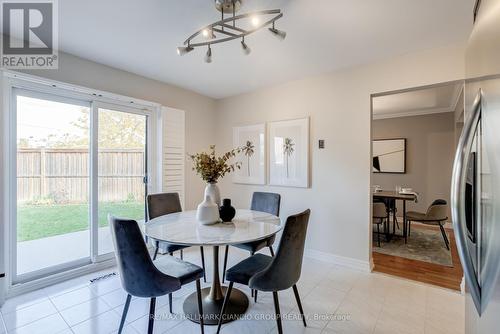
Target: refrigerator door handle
x: 458, y: 199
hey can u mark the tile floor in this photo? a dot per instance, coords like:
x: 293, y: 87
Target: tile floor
x: 337, y: 300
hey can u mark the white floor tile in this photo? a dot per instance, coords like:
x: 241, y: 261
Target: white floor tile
x: 72, y: 298
x: 115, y: 298
x: 104, y: 323
x: 163, y: 321
x: 22, y: 301
x: 53, y: 324
x: 84, y: 311
x: 105, y: 286
x: 29, y: 314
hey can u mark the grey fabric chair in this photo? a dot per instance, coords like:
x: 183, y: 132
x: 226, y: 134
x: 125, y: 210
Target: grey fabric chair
x: 142, y: 277
x: 437, y: 214
x: 272, y: 274
x: 264, y: 202
x: 379, y: 217
x: 163, y: 204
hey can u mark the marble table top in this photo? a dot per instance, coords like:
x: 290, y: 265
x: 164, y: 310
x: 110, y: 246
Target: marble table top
x: 182, y: 228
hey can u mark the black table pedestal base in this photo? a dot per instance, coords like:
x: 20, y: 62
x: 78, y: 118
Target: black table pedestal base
x: 237, y: 306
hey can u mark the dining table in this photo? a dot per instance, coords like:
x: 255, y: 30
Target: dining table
x: 184, y: 229
x: 395, y: 195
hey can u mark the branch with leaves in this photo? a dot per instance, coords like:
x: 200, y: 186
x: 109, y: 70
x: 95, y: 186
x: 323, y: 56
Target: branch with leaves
x: 210, y: 167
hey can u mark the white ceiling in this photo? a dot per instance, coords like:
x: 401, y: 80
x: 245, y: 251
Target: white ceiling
x: 323, y: 35
x: 433, y: 100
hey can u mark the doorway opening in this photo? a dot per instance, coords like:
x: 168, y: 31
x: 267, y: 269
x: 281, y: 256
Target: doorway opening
x: 414, y: 137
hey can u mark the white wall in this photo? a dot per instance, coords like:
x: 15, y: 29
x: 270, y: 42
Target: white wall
x: 339, y: 106
x: 200, y: 110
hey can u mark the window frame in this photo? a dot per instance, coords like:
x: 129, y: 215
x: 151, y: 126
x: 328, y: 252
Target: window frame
x: 62, y: 92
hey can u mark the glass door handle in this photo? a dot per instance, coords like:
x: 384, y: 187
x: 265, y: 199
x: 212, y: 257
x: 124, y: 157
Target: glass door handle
x: 458, y: 199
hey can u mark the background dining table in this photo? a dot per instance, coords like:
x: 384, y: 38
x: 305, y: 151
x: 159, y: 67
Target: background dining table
x: 183, y: 228
x: 386, y: 194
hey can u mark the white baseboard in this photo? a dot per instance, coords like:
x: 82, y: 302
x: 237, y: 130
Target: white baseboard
x: 343, y: 261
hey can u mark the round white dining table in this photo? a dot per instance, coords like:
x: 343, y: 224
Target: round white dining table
x: 182, y: 228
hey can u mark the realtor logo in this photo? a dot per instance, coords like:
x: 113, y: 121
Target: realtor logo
x: 29, y: 39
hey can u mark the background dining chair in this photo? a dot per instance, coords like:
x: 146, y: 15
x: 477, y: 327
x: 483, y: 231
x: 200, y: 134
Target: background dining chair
x: 272, y: 274
x: 163, y: 204
x: 142, y: 277
x: 437, y: 214
x: 379, y: 216
x: 264, y: 202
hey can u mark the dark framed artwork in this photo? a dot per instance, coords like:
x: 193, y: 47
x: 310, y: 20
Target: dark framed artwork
x: 389, y: 156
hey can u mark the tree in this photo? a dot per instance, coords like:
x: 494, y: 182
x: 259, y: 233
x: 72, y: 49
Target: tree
x: 288, y: 151
x: 248, y: 150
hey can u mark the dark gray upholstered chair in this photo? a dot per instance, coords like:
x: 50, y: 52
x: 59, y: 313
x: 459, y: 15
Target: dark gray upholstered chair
x: 272, y: 274
x: 142, y: 277
x: 379, y: 217
x: 437, y: 214
x: 163, y: 204
x: 264, y: 202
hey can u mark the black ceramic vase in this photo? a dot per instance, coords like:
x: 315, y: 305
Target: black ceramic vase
x: 226, y: 211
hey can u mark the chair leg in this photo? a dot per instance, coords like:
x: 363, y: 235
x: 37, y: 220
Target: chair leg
x: 277, y: 312
x: 446, y: 242
x: 200, y: 305
x: 409, y: 227
x: 151, y: 315
x: 124, y: 314
x: 225, y: 263
x: 170, y: 303
x: 255, y: 295
x: 156, y: 253
x: 224, y: 305
x: 299, y: 304
x: 271, y: 250
x: 203, y: 264
x: 182, y: 254
x: 378, y: 234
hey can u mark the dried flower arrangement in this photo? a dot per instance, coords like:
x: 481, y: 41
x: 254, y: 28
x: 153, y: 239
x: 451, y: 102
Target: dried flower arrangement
x: 211, y: 167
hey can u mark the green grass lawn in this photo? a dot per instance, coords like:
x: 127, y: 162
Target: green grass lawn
x: 40, y: 221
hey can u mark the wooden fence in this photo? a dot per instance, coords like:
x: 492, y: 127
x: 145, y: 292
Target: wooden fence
x: 62, y: 175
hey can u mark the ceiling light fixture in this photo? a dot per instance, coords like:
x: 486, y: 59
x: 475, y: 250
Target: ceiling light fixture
x: 233, y: 27
x: 244, y: 47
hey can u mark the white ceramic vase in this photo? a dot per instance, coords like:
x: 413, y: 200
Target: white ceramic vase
x: 208, y: 212
x: 213, y: 191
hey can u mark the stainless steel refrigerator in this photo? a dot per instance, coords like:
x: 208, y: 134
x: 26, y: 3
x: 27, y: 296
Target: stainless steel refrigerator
x: 476, y: 175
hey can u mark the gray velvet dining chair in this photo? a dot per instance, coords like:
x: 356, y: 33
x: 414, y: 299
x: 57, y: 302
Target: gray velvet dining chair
x: 163, y: 204
x: 142, y: 277
x: 264, y: 202
x: 272, y: 274
x: 437, y: 214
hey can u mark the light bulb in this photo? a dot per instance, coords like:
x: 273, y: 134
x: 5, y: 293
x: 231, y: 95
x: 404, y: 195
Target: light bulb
x: 255, y: 21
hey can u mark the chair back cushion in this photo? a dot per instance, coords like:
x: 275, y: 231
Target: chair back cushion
x: 163, y: 204
x: 138, y: 274
x: 437, y: 211
x: 285, y: 268
x: 379, y: 210
x: 266, y: 202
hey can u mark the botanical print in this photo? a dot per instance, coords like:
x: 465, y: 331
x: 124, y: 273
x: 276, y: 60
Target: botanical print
x: 251, y: 141
x: 289, y: 153
x: 248, y: 150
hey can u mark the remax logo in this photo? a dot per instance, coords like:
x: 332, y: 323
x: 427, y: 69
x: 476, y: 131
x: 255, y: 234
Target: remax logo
x: 29, y: 34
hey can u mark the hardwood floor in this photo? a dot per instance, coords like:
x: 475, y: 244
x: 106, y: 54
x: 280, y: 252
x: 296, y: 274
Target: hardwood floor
x: 447, y: 277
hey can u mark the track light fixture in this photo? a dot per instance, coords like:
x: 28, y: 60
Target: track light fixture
x: 244, y: 47
x: 208, y: 56
x: 232, y: 27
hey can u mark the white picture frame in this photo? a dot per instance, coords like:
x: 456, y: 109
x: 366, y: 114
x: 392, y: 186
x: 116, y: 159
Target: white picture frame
x: 289, y: 153
x: 252, y: 140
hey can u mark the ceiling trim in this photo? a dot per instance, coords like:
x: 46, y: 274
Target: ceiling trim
x: 415, y: 113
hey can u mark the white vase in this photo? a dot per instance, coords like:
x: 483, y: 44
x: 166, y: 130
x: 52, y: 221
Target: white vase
x: 208, y: 212
x: 213, y: 191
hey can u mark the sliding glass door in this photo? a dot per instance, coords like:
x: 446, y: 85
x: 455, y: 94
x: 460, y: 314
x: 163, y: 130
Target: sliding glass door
x: 122, y: 139
x: 76, y: 163
x: 53, y: 226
